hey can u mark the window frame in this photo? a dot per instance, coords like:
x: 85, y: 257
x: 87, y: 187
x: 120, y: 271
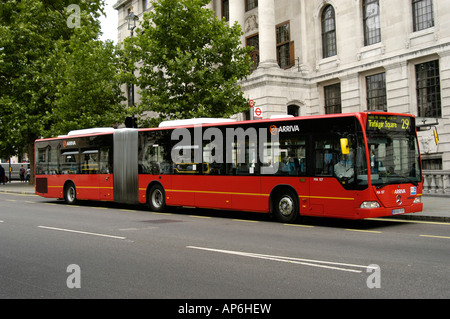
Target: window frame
x: 332, y: 108
x: 373, y: 90
x: 371, y: 35
x: 255, y: 53
x: 421, y: 19
x: 287, y: 42
x: 250, y: 5
x: 328, y: 49
x: 432, y: 89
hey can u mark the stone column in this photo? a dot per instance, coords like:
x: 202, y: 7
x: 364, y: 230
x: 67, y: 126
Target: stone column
x: 267, y: 34
x: 237, y: 12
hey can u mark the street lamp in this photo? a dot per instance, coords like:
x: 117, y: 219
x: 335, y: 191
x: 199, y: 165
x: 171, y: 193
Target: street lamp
x: 131, y: 19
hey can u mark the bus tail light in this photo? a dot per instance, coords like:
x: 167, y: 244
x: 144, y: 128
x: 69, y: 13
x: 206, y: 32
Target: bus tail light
x: 370, y: 205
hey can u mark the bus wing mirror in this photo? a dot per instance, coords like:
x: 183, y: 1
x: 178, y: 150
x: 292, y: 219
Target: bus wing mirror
x: 345, y: 149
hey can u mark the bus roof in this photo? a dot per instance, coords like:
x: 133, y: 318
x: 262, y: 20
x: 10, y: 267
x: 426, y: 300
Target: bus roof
x: 195, y: 121
x: 218, y: 121
x: 90, y: 131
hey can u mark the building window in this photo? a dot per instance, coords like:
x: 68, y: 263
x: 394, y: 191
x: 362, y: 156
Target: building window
x: 431, y: 163
x: 423, y: 17
x: 285, y: 49
x: 333, y: 99
x: 371, y: 16
x: 250, y: 4
x: 376, y: 92
x: 226, y: 9
x: 329, y: 46
x: 428, y: 89
x: 293, y: 110
x: 253, y: 41
x: 144, y: 5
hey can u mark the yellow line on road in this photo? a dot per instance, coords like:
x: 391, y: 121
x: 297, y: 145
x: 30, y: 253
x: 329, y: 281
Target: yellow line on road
x: 408, y: 221
x: 303, y: 226
x: 430, y: 236
x: 245, y: 221
x: 364, y: 231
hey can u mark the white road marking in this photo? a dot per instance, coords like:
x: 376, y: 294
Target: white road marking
x: 81, y: 232
x: 292, y: 260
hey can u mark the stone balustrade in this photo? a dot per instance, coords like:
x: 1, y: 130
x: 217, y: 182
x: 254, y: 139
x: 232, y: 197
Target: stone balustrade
x: 436, y: 182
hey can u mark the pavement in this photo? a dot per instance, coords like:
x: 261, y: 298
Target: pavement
x: 435, y: 208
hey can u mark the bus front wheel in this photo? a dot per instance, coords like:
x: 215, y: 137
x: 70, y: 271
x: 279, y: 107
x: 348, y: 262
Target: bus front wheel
x: 157, y: 198
x: 285, y: 207
x: 70, y: 194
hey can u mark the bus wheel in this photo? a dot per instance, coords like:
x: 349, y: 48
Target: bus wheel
x: 285, y: 207
x: 157, y: 198
x: 70, y: 194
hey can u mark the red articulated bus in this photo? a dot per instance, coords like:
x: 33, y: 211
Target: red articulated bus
x: 350, y: 166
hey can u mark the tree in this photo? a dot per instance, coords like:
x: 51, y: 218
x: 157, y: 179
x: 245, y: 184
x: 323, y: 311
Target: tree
x: 55, y: 74
x: 87, y: 91
x: 190, y: 62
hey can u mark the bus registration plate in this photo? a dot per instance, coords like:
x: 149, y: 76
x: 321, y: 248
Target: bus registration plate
x: 398, y: 211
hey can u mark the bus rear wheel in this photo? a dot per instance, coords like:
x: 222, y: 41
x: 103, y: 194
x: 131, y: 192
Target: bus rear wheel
x: 285, y: 207
x: 70, y: 194
x: 156, y: 198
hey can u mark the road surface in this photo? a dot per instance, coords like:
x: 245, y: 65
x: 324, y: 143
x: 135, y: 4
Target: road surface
x: 105, y: 250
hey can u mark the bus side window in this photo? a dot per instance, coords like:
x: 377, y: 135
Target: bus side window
x: 154, y: 153
x: 213, y: 158
x: 41, y: 161
x: 326, y: 156
x: 292, y: 156
x: 105, y: 161
x: 69, y: 162
x: 89, y: 162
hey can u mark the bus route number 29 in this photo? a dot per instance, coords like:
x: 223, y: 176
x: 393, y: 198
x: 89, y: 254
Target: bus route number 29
x: 405, y: 124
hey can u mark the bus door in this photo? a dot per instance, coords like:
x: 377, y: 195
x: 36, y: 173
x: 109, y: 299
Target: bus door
x: 332, y: 170
x: 106, y: 182
x: 96, y: 173
x: 106, y: 187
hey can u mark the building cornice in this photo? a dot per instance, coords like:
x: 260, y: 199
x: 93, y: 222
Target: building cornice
x: 120, y: 3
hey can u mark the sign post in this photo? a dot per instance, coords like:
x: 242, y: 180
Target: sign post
x: 252, y: 104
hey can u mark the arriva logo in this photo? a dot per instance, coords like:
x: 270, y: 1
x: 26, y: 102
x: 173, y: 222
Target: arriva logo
x: 274, y: 130
x: 400, y: 191
x: 289, y: 128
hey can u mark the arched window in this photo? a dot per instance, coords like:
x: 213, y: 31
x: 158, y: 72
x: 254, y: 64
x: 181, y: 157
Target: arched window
x: 293, y: 110
x: 371, y: 20
x: 329, y: 46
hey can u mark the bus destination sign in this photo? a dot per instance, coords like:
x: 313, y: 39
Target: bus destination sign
x: 378, y: 122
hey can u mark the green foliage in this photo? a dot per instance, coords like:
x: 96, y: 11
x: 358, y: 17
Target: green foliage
x: 53, y: 78
x: 190, y: 62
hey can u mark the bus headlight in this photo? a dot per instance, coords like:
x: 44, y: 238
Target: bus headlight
x: 417, y: 200
x: 370, y: 205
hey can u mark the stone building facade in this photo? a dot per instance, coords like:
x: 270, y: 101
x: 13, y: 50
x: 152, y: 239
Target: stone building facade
x: 330, y: 56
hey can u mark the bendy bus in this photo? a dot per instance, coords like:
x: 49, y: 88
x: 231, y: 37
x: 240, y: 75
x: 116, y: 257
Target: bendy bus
x: 351, y: 166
